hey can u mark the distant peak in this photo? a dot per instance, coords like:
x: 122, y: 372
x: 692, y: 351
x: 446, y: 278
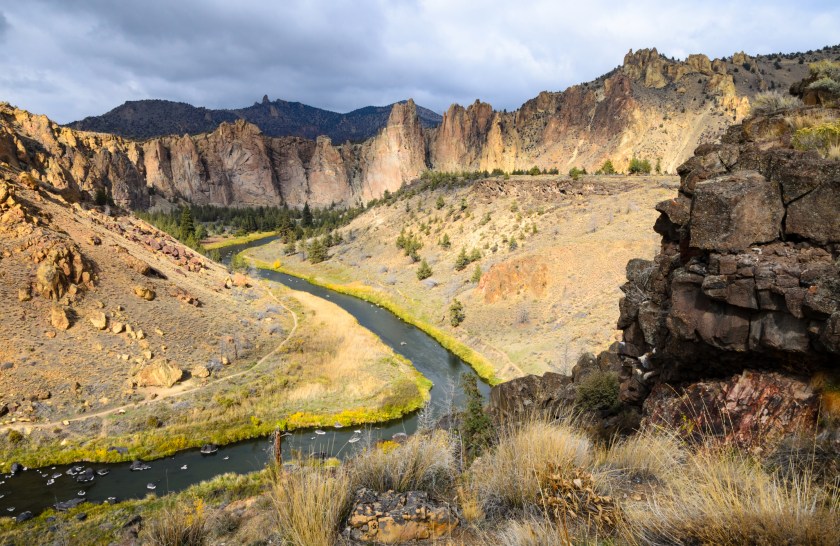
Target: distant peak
x: 265, y: 99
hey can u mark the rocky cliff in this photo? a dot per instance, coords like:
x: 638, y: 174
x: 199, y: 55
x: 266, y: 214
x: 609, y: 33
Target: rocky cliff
x: 650, y: 107
x: 234, y: 165
x: 747, y: 278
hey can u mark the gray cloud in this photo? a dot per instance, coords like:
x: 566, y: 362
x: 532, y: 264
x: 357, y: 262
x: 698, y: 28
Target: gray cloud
x: 72, y: 58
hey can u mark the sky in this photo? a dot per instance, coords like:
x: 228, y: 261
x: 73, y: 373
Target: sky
x: 71, y: 58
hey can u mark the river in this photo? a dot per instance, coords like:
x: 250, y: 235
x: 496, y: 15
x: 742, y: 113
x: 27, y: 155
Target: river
x: 36, y: 489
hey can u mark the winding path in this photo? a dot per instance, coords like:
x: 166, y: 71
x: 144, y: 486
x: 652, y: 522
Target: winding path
x: 169, y: 393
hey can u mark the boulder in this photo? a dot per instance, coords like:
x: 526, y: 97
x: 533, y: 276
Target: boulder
x: 734, y: 211
x: 117, y: 327
x: 522, y: 396
x: 58, y: 318
x: 394, y: 518
x: 160, y: 373
x: 200, y: 371
x: 144, y: 292
x: 24, y: 294
x: 99, y: 320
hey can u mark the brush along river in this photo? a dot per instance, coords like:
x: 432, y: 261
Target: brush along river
x: 33, y: 490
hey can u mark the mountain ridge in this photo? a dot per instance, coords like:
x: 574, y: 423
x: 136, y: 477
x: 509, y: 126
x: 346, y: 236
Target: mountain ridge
x: 150, y: 118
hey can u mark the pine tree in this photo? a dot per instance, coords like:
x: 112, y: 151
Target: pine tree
x: 187, y: 226
x: 306, y: 216
x: 317, y: 251
x: 424, y: 271
x: 476, y: 426
x: 456, y: 313
x: 476, y: 276
x: 462, y: 260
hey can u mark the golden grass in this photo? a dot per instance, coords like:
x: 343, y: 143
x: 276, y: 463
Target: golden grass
x: 724, y: 498
x: 177, y: 525
x: 424, y: 463
x: 230, y: 241
x: 646, y: 455
x: 509, y: 475
x: 310, y: 504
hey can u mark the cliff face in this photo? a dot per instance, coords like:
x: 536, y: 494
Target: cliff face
x: 650, y: 107
x: 234, y: 165
x: 747, y: 279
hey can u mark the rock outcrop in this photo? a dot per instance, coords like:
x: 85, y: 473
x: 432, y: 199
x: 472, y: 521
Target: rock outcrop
x: 396, y: 518
x: 747, y: 278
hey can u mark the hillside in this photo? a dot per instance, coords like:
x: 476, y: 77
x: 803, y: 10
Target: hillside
x: 541, y: 301
x: 115, y: 334
x: 144, y: 119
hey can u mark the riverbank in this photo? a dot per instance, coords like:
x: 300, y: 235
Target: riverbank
x: 477, y: 361
x: 213, y: 243
x: 328, y: 370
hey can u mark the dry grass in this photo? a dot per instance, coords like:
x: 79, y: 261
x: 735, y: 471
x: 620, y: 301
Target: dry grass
x: 648, y: 455
x: 310, y: 504
x: 509, y: 476
x: 725, y: 498
x: 423, y: 463
x: 177, y: 525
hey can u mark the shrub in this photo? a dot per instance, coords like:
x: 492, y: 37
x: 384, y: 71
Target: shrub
x: 100, y: 197
x: 823, y: 137
x: 424, y: 271
x: 575, y: 173
x: 598, y: 392
x: 310, y: 505
x: 425, y: 462
x: 639, y: 166
x: 456, y: 313
x: 606, y: 168
x: 439, y: 204
x: 770, y: 101
x: 15, y: 436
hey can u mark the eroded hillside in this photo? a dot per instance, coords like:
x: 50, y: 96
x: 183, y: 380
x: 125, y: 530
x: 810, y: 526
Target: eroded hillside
x: 551, y: 254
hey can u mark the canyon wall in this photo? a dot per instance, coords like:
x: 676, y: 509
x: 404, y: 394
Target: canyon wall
x: 234, y: 165
x: 650, y: 107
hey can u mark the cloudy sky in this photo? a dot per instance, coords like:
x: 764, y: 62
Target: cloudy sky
x: 72, y: 58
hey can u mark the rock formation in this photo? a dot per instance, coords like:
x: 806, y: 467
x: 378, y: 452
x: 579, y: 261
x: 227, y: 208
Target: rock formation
x: 396, y: 518
x: 746, y: 278
x: 650, y: 107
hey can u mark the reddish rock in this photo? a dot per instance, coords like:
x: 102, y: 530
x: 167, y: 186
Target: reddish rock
x: 747, y: 409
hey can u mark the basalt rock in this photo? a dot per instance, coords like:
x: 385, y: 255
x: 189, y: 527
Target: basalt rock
x: 747, y: 278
